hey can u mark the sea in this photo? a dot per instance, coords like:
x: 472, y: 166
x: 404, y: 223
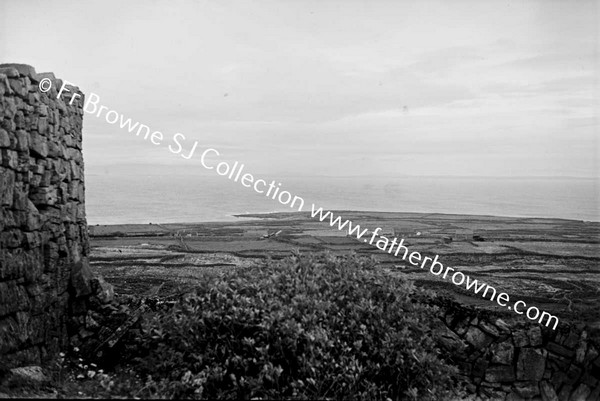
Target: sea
x: 139, y: 198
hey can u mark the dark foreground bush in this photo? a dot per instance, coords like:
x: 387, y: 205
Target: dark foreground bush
x: 306, y: 327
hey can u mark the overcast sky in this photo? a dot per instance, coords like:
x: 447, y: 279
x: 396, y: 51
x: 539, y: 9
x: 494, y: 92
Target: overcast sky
x: 492, y: 88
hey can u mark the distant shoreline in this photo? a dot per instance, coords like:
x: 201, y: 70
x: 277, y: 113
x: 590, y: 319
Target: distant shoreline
x: 279, y: 215
x: 249, y: 217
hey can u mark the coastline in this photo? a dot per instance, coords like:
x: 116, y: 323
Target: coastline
x: 275, y: 215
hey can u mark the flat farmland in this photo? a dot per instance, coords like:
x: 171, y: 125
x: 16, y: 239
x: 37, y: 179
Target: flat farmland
x: 552, y: 264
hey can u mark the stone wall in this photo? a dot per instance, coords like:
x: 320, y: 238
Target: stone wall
x: 44, y: 273
x: 522, y: 361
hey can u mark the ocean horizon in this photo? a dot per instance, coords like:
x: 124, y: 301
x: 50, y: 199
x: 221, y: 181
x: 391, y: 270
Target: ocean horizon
x: 139, y: 198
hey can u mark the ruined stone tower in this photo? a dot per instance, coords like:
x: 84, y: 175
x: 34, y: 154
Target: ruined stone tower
x: 44, y: 273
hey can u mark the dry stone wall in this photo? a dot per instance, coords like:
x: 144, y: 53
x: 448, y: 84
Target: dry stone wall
x: 44, y: 273
x: 522, y: 361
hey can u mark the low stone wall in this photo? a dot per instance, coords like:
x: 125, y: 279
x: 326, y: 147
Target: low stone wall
x: 522, y: 361
x: 44, y: 274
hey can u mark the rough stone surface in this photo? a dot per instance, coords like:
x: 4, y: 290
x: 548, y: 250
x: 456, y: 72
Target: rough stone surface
x: 477, y: 338
x: 30, y: 374
x: 520, y: 360
x: 531, y: 364
x: 526, y: 389
x: 503, y: 353
x: 500, y: 374
x: 43, y: 230
x: 520, y: 338
x: 548, y: 392
x: 106, y: 294
x: 581, y: 393
x: 535, y: 336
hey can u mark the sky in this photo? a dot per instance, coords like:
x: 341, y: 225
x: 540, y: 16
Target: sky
x: 331, y: 88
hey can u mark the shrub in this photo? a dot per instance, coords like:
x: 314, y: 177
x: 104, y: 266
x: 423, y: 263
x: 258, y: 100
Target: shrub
x: 305, y: 327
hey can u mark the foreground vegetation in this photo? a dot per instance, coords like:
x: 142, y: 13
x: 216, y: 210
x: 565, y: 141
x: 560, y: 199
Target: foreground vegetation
x: 305, y: 327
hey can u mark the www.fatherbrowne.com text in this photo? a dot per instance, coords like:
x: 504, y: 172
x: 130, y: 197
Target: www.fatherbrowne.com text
x: 273, y: 190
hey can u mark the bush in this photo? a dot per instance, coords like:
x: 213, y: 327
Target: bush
x: 306, y: 327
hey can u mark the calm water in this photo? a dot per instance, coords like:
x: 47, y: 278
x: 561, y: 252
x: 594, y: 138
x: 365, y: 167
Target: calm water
x: 169, y: 198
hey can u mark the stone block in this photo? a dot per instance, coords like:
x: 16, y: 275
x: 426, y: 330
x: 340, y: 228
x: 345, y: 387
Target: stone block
x: 7, y: 183
x: 44, y: 196
x: 500, y: 374
x: 565, y: 392
x: 573, y: 374
x: 42, y: 126
x: 590, y: 379
x: 105, y: 292
x: 21, y: 69
x: 527, y: 389
x: 13, y: 298
x: 547, y: 391
x: 41, y: 75
x: 491, y: 385
x: 38, y: 145
x: 76, y: 171
x: 63, y: 193
x: 30, y: 375
x: 479, y: 367
x: 22, y: 140
x: 489, y: 328
x: 535, y: 336
x: 592, y: 353
x: 46, y: 178
x: 571, y: 340
x: 477, y: 338
x: 580, y: 352
x: 33, y: 221
x: 37, y: 168
x: 18, y: 86
x: 36, y: 180
x: 20, y: 199
x: 81, y: 277
x: 512, y: 396
x: 4, y: 87
x: 34, y: 97
x: 91, y: 323
x: 503, y: 353
x: 20, y: 120
x: 10, y: 159
x: 450, y: 341
x: 9, y: 110
x: 558, y: 362
x: 530, y: 364
x: 9, y: 70
x: 9, y: 340
x: 560, y: 350
x: 595, y: 394
x: 493, y: 394
x: 4, y: 139
x: 8, y: 125
x: 520, y: 338
x: 41, y: 110
x: 10, y: 239
x: 37, y: 297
